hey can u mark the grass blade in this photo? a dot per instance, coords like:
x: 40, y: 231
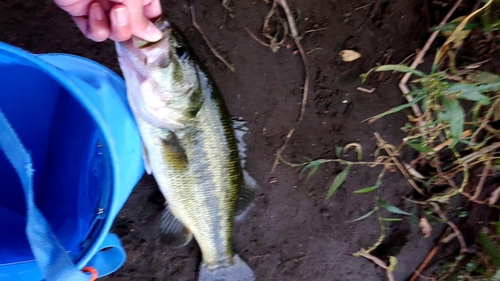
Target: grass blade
x: 400, y: 68
x: 390, y: 219
x: 391, y: 208
x: 338, y: 181
x: 397, y: 108
x: 363, y: 216
x: 366, y: 189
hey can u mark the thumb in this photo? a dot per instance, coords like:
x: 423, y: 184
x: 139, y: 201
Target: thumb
x: 140, y: 25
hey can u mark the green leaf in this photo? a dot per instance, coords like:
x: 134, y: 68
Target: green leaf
x: 371, y: 188
x: 393, y: 262
x: 400, y: 68
x: 313, y: 165
x: 451, y: 26
x: 419, y: 147
x: 363, y: 216
x: 338, y: 151
x: 468, y: 92
x: 495, y: 87
x: 497, y: 226
x: 484, y: 77
x: 366, y: 189
x: 490, y: 248
x: 390, y: 219
x: 338, y: 181
x: 391, y: 208
x: 398, y: 108
x: 453, y: 114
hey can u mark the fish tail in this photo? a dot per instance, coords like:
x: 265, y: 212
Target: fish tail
x: 238, y: 271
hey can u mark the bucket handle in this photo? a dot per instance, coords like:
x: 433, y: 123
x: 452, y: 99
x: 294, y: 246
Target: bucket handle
x: 53, y: 260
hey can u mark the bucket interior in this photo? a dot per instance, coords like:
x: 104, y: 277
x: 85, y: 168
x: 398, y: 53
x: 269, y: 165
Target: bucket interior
x: 72, y: 171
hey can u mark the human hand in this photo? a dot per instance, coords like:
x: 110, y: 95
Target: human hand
x: 117, y: 20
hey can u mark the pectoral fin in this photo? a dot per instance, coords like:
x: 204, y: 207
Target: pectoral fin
x: 173, y: 231
x: 145, y: 157
x: 173, y: 152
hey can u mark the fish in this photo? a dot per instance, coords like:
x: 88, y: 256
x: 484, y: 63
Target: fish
x: 192, y: 147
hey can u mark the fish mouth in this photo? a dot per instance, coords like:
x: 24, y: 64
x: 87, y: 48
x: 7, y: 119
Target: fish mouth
x: 163, y: 24
x: 139, y: 53
x: 128, y: 57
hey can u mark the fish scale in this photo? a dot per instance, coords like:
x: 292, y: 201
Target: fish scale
x: 190, y: 148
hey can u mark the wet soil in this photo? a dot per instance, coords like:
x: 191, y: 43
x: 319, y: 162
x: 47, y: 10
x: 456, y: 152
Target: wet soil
x: 292, y: 232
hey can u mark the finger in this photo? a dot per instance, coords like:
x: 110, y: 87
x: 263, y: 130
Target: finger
x: 98, y: 23
x: 120, y: 23
x: 74, y: 7
x: 152, y: 8
x: 106, y: 4
x: 141, y: 26
x: 95, y: 26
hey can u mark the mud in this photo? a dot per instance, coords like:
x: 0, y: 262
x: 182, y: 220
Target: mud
x: 292, y: 232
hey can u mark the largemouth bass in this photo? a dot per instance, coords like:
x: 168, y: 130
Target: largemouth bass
x: 191, y: 148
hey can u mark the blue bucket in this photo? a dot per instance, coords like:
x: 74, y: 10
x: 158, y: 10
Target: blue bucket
x: 72, y: 116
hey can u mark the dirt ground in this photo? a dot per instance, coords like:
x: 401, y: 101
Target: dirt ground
x: 292, y: 232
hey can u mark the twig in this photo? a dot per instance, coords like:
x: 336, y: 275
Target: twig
x: 378, y: 262
x: 462, y: 25
x: 424, y: 264
x: 314, y: 30
x: 296, y: 38
x: 492, y: 131
x: 278, y: 152
x: 364, y: 90
x: 225, y: 4
x: 381, y: 75
x: 437, y: 210
x: 486, y: 118
x: 313, y: 50
x: 429, y: 257
x: 214, y: 51
x: 362, y: 7
x: 417, y: 61
x: 273, y: 39
x: 256, y: 38
x: 483, y: 151
x: 401, y: 168
x: 480, y: 185
x: 450, y: 270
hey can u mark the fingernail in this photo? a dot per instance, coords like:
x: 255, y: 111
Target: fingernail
x: 122, y: 16
x: 153, y: 33
x: 98, y: 12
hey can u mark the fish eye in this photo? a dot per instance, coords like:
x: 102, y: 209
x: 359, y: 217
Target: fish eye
x: 181, y: 52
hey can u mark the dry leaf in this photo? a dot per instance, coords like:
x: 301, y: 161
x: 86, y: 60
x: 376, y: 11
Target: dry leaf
x: 459, y: 38
x: 425, y: 226
x: 448, y: 238
x: 414, y: 172
x: 349, y: 55
x: 494, y: 196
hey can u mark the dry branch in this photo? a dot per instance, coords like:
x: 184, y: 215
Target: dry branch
x: 212, y: 49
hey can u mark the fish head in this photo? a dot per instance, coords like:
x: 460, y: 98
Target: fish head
x: 162, y: 78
